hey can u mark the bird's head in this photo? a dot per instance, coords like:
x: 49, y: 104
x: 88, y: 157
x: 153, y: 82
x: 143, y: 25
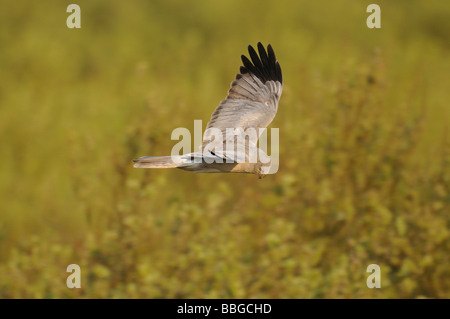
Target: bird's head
x: 263, y: 169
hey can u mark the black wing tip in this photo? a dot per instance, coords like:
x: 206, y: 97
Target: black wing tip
x: 265, y: 66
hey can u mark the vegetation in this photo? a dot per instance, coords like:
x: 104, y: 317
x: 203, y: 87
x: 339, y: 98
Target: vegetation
x: 364, y: 157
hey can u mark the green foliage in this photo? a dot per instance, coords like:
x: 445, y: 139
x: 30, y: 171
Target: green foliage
x: 364, y: 157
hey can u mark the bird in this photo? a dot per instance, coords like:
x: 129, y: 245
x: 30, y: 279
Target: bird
x: 249, y: 107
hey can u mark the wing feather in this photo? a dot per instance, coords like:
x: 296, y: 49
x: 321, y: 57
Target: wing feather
x: 253, y: 97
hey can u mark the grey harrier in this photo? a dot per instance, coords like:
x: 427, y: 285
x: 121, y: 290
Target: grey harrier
x: 251, y: 104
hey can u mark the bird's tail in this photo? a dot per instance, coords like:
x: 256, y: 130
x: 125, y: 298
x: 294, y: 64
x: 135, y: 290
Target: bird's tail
x: 158, y: 162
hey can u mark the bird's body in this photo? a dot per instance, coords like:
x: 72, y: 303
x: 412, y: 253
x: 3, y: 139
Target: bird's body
x: 251, y: 104
x: 187, y: 163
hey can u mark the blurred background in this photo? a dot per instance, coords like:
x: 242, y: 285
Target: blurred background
x: 364, y: 172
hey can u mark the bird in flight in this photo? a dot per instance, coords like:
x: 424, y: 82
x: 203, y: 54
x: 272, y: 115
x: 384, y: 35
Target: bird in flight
x: 229, y: 142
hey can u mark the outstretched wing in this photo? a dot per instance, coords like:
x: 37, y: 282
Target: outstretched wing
x: 252, y: 100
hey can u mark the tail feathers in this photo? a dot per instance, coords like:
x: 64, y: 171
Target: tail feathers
x: 158, y: 162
